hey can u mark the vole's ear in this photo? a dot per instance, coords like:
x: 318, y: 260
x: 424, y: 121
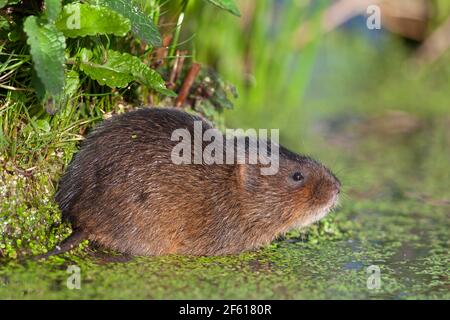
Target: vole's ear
x: 247, y: 176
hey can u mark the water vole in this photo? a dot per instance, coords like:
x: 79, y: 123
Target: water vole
x: 123, y: 191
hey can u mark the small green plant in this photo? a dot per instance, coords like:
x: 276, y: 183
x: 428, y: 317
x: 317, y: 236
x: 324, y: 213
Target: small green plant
x: 65, y: 65
x: 48, y: 33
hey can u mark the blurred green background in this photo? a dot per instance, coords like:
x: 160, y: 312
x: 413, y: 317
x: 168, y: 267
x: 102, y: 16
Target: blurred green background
x: 286, y: 72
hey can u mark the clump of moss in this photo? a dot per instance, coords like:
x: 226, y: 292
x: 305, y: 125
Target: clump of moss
x: 29, y: 218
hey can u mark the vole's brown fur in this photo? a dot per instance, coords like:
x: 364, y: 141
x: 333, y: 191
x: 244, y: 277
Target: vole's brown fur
x: 122, y: 191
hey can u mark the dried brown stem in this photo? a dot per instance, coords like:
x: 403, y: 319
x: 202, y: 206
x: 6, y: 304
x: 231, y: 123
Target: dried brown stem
x: 177, y: 67
x: 435, y: 45
x: 187, y: 84
x: 161, y: 53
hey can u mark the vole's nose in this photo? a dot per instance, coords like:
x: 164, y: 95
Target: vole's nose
x: 336, y: 185
x: 338, y: 188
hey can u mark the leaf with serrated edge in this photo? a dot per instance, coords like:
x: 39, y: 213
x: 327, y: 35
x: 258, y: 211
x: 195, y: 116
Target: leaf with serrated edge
x: 47, y: 46
x: 122, y: 68
x: 72, y: 83
x: 114, y: 73
x: 79, y: 20
x: 147, y: 76
x: 141, y: 25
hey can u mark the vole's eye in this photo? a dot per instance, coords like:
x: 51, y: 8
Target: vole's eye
x: 297, y: 176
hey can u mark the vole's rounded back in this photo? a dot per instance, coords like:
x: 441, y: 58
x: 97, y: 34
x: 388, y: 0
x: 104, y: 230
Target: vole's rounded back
x: 123, y: 191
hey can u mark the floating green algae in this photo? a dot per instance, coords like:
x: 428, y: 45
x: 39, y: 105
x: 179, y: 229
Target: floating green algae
x: 383, y: 221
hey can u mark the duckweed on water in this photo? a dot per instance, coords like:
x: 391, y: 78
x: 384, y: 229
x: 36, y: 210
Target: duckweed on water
x: 406, y: 237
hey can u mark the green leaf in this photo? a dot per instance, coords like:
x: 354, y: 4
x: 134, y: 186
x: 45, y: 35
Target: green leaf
x: 38, y: 86
x: 52, y: 9
x: 228, y: 5
x: 4, y: 24
x: 47, y: 46
x: 3, y: 3
x: 79, y: 20
x: 14, y: 35
x: 114, y: 73
x: 148, y: 77
x: 72, y: 83
x: 141, y: 24
x: 120, y: 69
x: 42, y: 125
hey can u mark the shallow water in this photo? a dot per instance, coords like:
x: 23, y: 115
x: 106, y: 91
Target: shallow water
x: 394, y: 216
